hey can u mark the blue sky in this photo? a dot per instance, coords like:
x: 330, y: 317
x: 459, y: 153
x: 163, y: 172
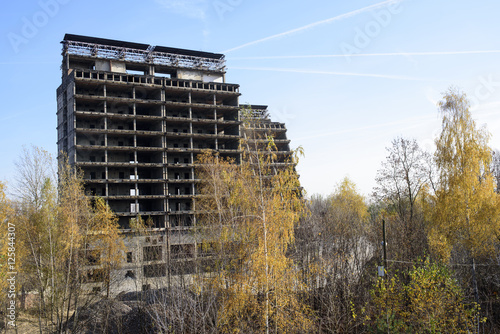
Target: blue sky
x: 346, y: 76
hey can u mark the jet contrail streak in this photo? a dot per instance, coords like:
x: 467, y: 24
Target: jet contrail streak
x: 352, y: 74
x: 315, y: 24
x: 412, y: 121
x: 431, y: 53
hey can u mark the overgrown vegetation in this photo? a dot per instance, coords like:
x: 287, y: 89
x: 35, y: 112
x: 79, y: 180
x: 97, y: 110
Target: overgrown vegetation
x: 273, y: 260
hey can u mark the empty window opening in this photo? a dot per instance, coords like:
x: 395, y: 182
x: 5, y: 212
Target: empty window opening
x: 182, y: 251
x: 130, y: 274
x: 152, y: 253
x: 134, y: 72
x: 164, y: 75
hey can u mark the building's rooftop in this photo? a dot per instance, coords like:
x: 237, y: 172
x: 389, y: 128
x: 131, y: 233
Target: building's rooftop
x: 87, y: 46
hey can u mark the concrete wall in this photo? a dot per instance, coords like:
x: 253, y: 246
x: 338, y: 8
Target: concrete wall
x: 200, y: 76
x: 102, y: 65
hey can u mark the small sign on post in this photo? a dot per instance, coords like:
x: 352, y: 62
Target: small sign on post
x: 381, y: 271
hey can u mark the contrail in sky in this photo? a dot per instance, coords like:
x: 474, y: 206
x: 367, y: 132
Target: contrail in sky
x: 410, y: 121
x: 315, y: 24
x: 351, y: 74
x: 431, y: 53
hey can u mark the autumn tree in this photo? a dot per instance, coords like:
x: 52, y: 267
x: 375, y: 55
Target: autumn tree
x: 104, y: 238
x: 404, y: 179
x: 254, y: 211
x: 467, y: 209
x: 7, y: 244
x: 33, y: 168
x: 56, y: 223
x: 5, y: 215
x: 333, y: 247
x: 35, y: 219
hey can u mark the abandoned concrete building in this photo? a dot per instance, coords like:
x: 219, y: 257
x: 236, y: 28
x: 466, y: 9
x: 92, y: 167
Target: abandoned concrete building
x: 133, y: 117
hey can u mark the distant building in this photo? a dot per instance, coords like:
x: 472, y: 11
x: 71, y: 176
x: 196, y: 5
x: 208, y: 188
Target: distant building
x: 133, y: 117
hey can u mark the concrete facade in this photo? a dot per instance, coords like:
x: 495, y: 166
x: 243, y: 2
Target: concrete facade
x: 133, y: 117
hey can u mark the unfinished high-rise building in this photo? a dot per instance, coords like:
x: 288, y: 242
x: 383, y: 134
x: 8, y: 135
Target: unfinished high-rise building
x: 133, y: 117
x: 260, y: 134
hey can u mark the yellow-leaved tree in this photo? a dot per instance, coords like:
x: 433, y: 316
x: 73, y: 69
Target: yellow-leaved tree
x: 7, y: 242
x: 467, y: 208
x: 333, y: 248
x: 247, y: 213
x: 466, y: 212
x: 55, y: 224
x: 104, y: 237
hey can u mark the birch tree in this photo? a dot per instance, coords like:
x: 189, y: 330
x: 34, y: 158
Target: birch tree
x: 104, y: 237
x: 466, y: 216
x: 467, y: 208
x: 54, y: 221
x: 8, y: 247
x: 254, y: 210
